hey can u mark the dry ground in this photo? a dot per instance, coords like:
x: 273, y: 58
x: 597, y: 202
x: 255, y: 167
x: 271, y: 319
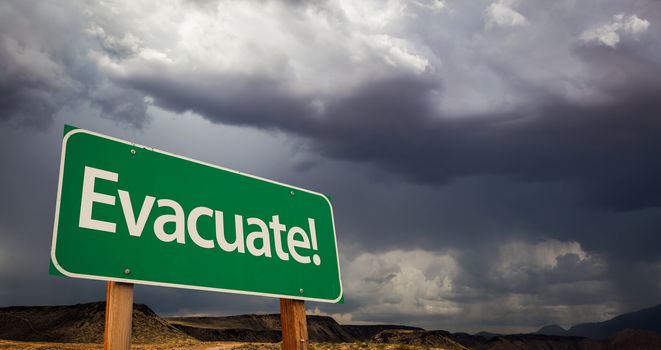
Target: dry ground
x: 15, y: 345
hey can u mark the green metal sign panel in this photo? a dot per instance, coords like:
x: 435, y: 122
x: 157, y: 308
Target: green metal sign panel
x: 135, y: 214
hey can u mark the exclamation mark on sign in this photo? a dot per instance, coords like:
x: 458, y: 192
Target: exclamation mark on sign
x: 313, y: 236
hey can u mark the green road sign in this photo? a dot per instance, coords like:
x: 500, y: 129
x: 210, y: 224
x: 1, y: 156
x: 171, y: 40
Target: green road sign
x: 135, y: 214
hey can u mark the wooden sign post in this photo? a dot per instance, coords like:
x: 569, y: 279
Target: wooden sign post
x: 119, y: 316
x: 294, y: 325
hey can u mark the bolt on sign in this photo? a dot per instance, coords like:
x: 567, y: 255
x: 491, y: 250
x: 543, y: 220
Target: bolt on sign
x: 130, y: 213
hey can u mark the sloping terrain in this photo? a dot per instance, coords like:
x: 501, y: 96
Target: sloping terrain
x: 230, y: 334
x: 366, y: 332
x: 540, y: 341
x: 81, y: 323
x: 247, y: 328
x: 439, y: 339
x: 488, y: 335
x: 266, y: 328
x: 633, y: 339
x: 552, y: 329
x: 646, y: 319
x: 468, y: 340
x: 260, y: 328
x: 625, y: 340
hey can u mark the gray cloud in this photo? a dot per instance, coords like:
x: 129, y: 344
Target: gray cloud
x: 46, y: 67
x: 389, y: 123
x: 525, y: 284
x: 599, y: 142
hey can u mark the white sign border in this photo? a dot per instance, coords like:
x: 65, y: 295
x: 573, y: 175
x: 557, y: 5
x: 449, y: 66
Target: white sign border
x: 175, y: 285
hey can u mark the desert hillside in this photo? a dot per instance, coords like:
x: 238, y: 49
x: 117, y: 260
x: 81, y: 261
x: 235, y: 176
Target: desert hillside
x: 266, y: 328
x: 81, y: 323
x: 80, y: 326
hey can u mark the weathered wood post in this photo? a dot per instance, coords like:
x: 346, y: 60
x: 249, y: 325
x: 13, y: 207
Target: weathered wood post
x: 294, y: 325
x: 119, y: 316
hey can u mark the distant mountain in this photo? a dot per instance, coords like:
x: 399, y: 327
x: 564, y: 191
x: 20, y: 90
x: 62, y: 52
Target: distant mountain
x: 647, y: 319
x: 552, y: 329
x: 488, y: 335
x: 81, y: 323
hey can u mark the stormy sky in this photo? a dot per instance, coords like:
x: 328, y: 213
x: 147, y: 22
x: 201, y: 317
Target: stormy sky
x: 494, y: 165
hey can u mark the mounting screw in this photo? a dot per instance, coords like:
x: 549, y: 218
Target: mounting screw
x: 301, y: 290
x: 127, y: 271
x: 132, y: 151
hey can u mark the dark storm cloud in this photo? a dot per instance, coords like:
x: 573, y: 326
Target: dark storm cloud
x: 33, y: 84
x: 44, y: 67
x: 609, y: 150
x: 237, y: 100
x: 606, y: 145
x: 568, y: 280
